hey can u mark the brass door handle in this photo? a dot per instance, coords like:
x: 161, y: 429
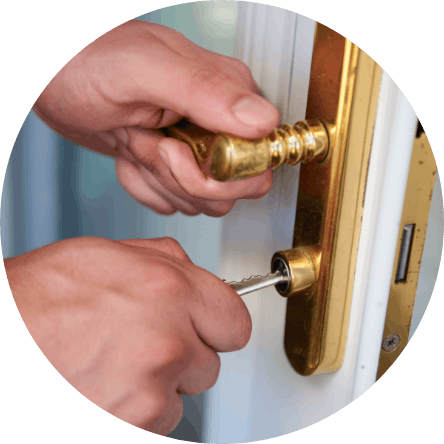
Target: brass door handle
x: 231, y: 157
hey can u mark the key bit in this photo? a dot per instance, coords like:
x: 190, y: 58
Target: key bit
x: 253, y: 283
x: 257, y: 282
x: 293, y: 272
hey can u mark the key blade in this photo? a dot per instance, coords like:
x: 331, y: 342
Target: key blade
x: 257, y: 282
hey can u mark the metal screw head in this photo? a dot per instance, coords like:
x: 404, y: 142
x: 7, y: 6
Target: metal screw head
x: 391, y: 342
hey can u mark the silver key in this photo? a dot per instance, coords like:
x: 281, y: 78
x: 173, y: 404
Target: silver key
x: 257, y: 282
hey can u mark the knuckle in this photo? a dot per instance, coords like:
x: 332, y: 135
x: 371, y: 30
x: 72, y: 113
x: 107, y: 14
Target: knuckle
x: 214, y: 374
x: 201, y: 378
x: 244, y: 327
x: 244, y: 73
x: 266, y: 185
x: 226, y: 207
x: 159, y: 407
x: 160, y: 414
x: 202, y: 78
x: 146, y: 161
x: 242, y: 68
x: 219, y: 209
x: 175, y: 248
x: 172, y: 353
x: 173, y: 281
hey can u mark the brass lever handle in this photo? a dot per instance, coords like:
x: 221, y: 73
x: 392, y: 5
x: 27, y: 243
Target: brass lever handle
x: 233, y: 157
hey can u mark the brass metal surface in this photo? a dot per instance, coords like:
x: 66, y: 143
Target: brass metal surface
x: 416, y: 210
x: 199, y: 140
x: 343, y: 93
x: 337, y: 135
x: 233, y: 157
x: 302, y: 265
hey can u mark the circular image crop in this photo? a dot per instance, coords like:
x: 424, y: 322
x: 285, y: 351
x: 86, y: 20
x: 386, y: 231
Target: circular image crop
x: 221, y: 222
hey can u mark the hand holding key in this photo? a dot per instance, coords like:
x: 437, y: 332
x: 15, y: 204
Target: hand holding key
x: 130, y: 324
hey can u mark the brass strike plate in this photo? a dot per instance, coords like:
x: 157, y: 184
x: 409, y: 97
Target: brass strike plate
x: 343, y: 93
x: 411, y: 238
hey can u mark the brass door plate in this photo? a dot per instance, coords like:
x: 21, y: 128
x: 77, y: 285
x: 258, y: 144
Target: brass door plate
x: 415, y: 217
x: 343, y: 93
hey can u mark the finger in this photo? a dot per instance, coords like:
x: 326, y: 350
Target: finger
x: 216, y: 102
x: 150, y: 191
x: 219, y: 315
x: 202, y: 372
x: 168, y: 118
x: 129, y: 177
x: 157, y: 176
x: 166, y: 245
x: 182, y: 164
x: 215, y: 208
x: 238, y: 70
x: 241, y: 71
x: 121, y: 135
x: 210, y: 97
x: 167, y: 187
x: 155, y: 409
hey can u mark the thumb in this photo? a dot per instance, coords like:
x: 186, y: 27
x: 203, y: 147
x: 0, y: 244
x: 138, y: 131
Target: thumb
x: 213, y: 100
x: 209, y: 96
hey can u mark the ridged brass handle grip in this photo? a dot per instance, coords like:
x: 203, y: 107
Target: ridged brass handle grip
x: 231, y: 157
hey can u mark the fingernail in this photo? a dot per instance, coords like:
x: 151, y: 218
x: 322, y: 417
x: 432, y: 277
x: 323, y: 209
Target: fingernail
x: 109, y: 139
x: 253, y: 110
x: 164, y: 157
x: 122, y: 135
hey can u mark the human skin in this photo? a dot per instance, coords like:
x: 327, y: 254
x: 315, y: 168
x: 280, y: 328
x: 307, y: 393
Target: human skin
x: 139, y: 77
x: 131, y: 324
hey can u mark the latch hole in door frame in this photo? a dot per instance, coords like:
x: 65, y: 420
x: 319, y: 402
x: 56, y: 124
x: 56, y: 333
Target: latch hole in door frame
x: 404, y: 253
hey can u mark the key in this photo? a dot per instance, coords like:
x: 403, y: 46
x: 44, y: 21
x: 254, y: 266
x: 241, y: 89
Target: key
x: 279, y: 275
x: 254, y: 283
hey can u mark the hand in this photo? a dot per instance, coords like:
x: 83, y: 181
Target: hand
x: 130, y: 324
x: 140, y: 77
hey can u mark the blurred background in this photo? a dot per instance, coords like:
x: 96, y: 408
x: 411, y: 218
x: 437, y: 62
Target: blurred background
x: 56, y: 190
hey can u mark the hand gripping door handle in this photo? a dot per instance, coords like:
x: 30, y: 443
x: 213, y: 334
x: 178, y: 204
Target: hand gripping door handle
x: 231, y: 157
